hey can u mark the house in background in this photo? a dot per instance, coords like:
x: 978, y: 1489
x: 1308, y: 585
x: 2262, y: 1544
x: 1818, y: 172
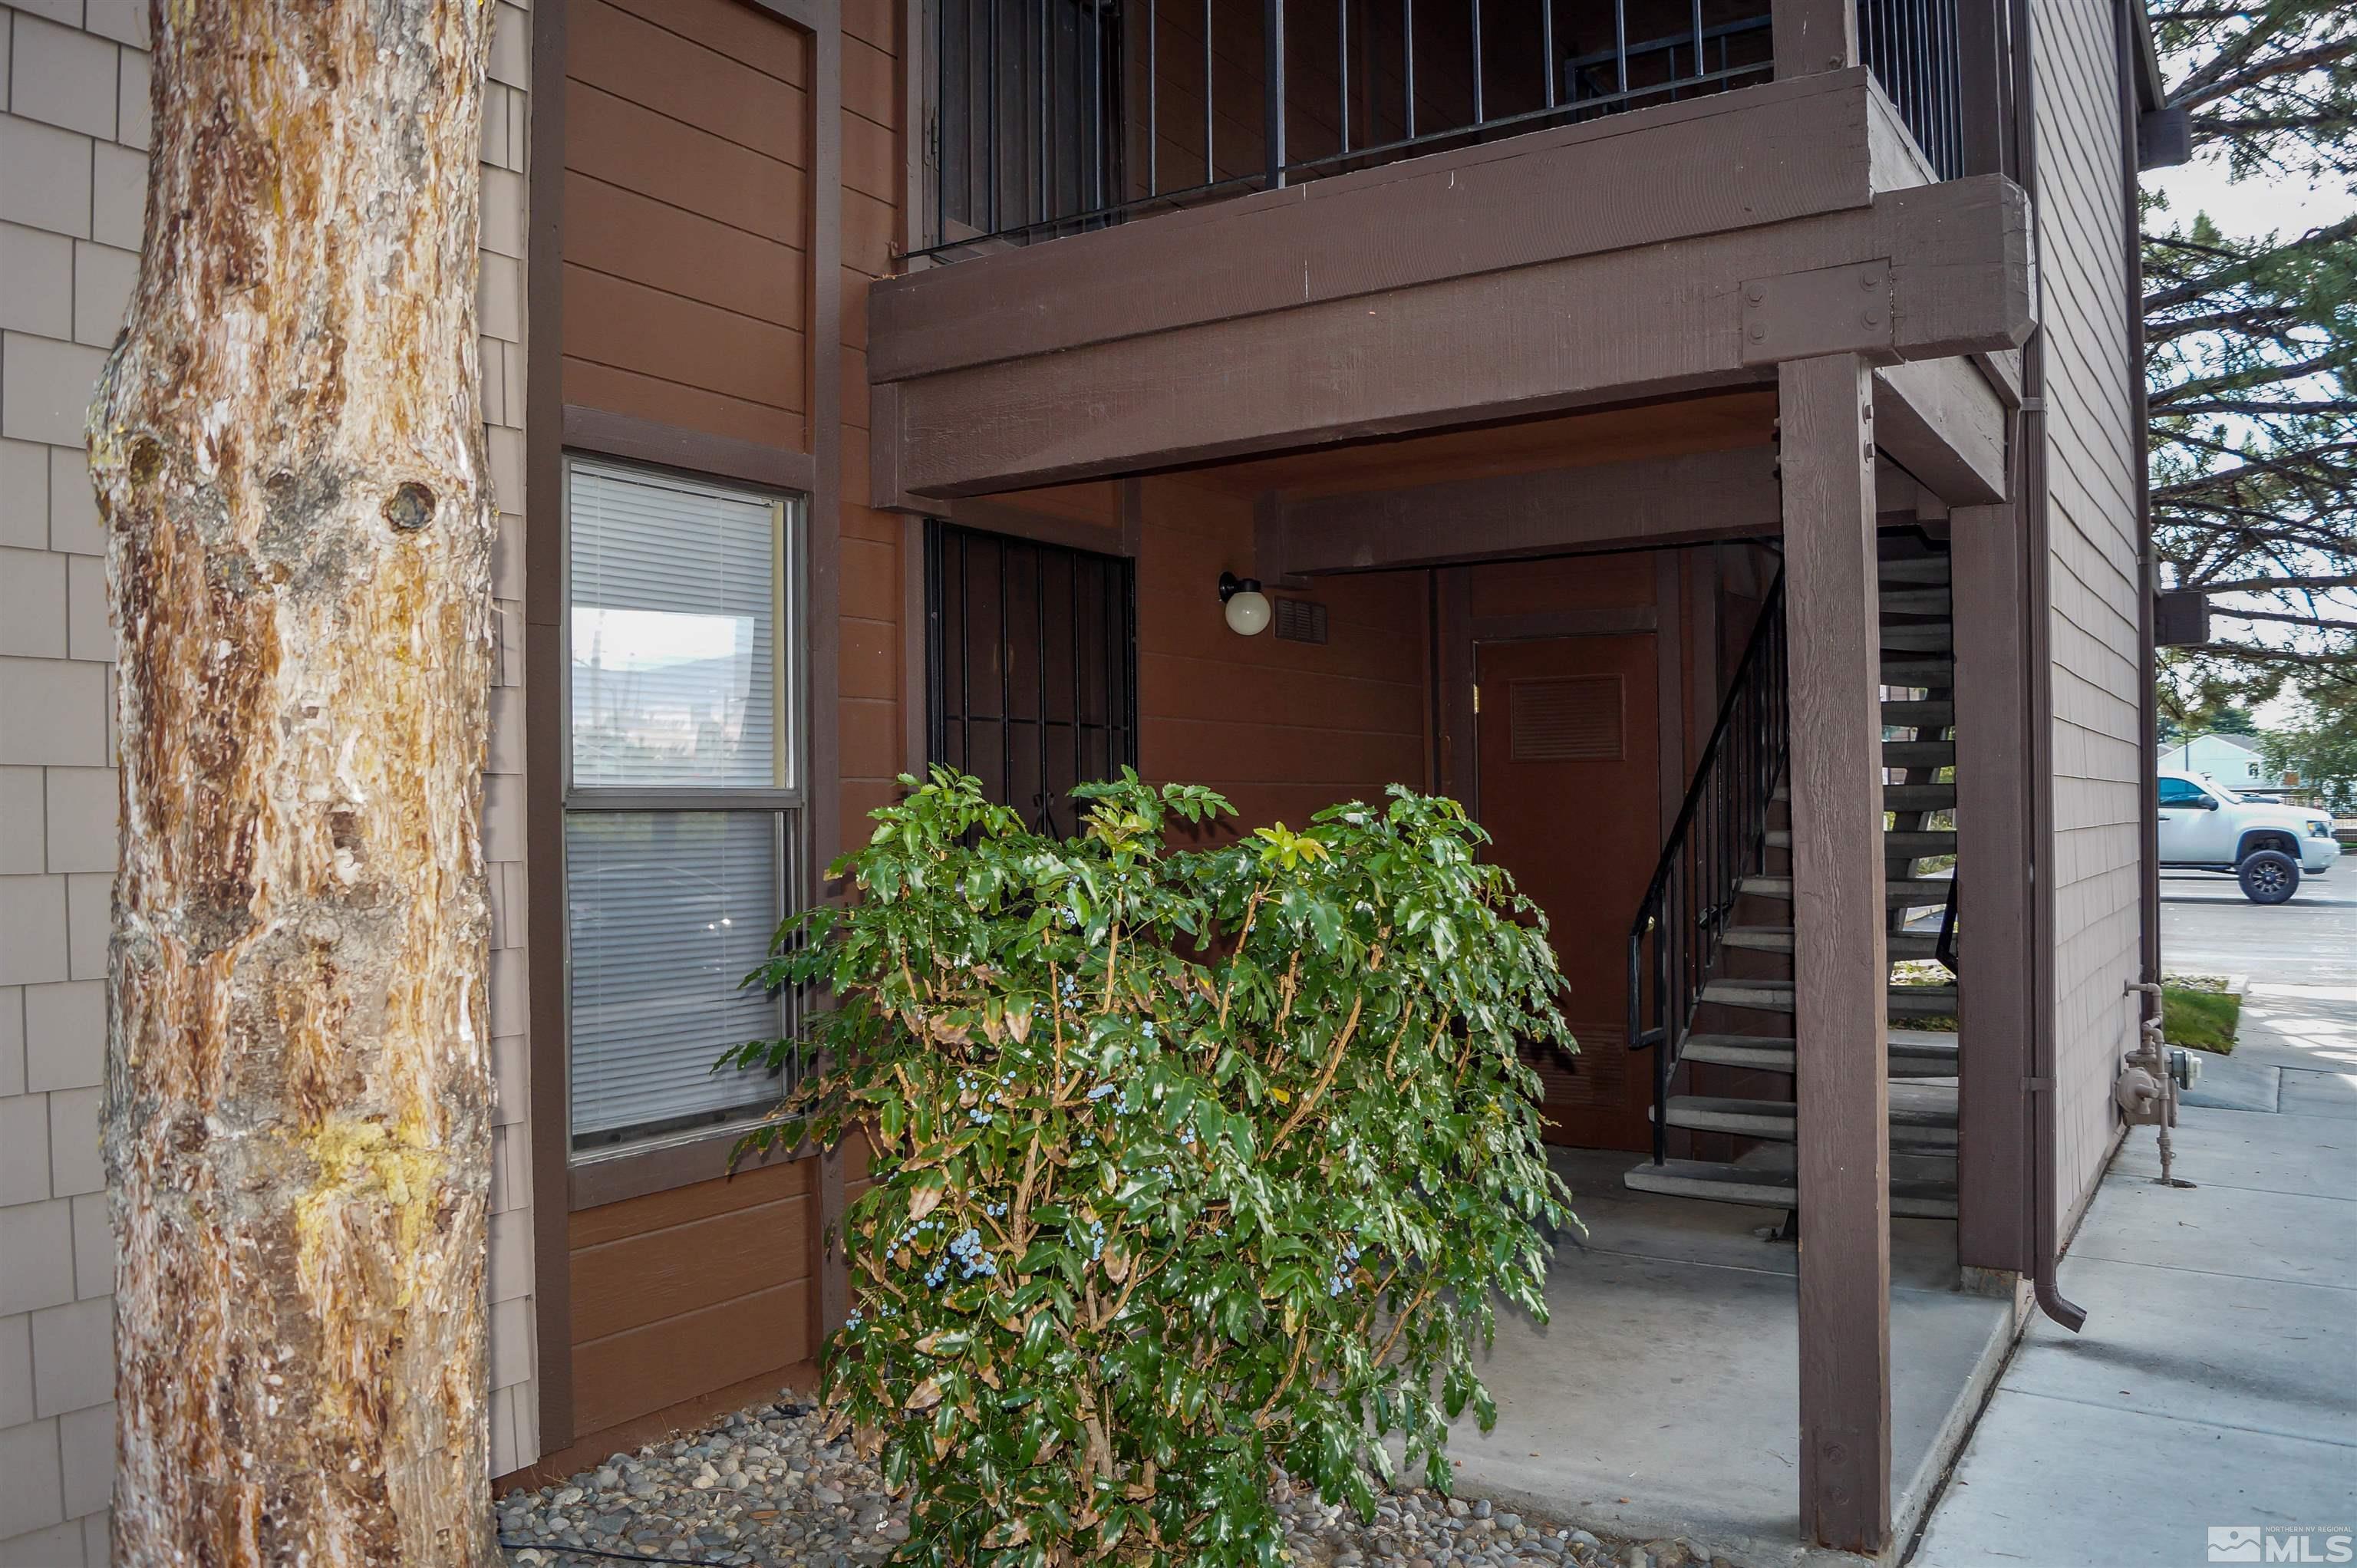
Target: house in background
x: 1701, y: 437
x: 2233, y: 760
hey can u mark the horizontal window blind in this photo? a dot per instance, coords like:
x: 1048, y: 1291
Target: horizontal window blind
x: 668, y: 911
x: 675, y: 593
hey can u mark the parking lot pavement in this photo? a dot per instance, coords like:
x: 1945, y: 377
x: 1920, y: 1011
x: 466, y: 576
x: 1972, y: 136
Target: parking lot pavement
x: 2207, y: 927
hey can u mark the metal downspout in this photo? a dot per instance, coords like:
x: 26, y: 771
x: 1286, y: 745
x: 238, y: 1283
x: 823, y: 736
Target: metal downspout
x: 2045, y: 1205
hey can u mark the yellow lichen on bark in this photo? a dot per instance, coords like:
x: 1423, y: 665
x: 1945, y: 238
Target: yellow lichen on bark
x: 289, y: 456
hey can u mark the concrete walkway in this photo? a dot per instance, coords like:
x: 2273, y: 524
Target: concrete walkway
x: 2215, y: 1385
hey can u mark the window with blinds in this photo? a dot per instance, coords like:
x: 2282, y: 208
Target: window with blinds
x: 675, y: 599
x: 681, y: 798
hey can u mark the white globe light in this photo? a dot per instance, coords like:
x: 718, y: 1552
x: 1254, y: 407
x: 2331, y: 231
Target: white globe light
x: 1248, y: 612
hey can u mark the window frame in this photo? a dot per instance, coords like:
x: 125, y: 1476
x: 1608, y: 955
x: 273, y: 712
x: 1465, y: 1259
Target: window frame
x: 691, y: 1151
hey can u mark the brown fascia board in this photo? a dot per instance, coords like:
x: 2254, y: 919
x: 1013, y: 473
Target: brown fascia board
x: 1574, y: 331
x: 1761, y: 156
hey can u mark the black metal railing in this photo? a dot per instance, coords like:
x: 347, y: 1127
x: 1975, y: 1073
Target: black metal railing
x: 1914, y: 50
x: 1719, y: 838
x: 1054, y: 116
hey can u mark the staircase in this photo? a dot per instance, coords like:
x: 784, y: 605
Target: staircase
x: 1712, y: 946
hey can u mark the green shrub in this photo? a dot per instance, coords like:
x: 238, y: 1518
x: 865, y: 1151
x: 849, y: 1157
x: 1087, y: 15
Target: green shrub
x: 1190, y: 1166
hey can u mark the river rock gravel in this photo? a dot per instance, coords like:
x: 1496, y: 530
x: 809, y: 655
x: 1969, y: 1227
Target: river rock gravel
x: 765, y: 1487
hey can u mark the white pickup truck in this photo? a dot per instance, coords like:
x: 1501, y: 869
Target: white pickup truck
x: 2208, y: 827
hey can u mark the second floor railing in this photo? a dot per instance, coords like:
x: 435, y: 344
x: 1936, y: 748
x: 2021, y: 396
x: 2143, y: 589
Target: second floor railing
x: 1913, y: 48
x: 1054, y: 116
x: 1050, y: 117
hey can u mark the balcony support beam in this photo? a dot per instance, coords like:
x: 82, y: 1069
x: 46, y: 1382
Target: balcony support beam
x: 1942, y: 422
x: 1730, y: 493
x: 1840, y: 957
x: 1620, y: 326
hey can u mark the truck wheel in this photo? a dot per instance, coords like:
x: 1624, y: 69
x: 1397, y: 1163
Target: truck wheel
x: 2268, y: 876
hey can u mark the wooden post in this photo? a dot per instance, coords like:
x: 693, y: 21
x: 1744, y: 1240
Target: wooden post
x: 1993, y: 859
x: 1812, y: 36
x: 1839, y: 957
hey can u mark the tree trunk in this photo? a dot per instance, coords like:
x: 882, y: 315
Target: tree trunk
x: 288, y: 451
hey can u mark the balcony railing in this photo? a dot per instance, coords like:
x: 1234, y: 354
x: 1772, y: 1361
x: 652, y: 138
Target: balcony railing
x: 1052, y: 117
x: 1913, y: 48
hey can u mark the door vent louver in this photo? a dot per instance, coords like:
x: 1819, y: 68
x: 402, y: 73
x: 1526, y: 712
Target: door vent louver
x: 1575, y: 719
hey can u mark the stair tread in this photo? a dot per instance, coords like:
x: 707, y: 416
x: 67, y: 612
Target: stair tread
x: 1914, y: 1197
x: 1777, y: 996
x: 1914, y: 569
x: 1900, y: 797
x: 1911, y: 1042
x: 1779, y: 939
x: 1920, y: 1104
x: 1895, y: 889
x: 1913, y: 842
x: 1917, y: 713
x: 1766, y: 1053
x: 1919, y: 753
x: 1931, y: 599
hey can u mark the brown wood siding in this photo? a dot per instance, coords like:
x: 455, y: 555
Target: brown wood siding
x: 1281, y: 728
x: 696, y: 276
x: 685, y: 216
x: 2092, y: 527
x: 679, y: 1292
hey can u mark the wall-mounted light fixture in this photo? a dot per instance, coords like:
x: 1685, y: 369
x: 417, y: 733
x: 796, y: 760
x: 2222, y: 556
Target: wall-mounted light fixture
x: 1247, y: 606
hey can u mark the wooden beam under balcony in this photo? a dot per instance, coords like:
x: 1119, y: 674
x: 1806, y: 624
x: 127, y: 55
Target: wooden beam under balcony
x: 1726, y: 494
x: 1952, y: 261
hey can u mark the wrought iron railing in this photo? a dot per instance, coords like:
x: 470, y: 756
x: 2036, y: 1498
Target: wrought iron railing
x: 1720, y: 837
x: 1914, y: 50
x: 1054, y: 116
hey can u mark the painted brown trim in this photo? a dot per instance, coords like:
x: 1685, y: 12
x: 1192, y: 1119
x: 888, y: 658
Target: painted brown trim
x: 639, y: 440
x: 545, y: 675
x: 1617, y: 621
x: 1895, y: 161
x: 1980, y: 59
x: 829, y: 1272
x: 1574, y: 332
x: 1729, y: 493
x: 1641, y: 178
x: 593, y: 1183
x: 1458, y: 764
x: 1840, y: 959
x: 1814, y: 35
x: 1669, y: 685
x: 1992, y: 722
x: 1942, y: 422
x: 916, y: 649
x: 1040, y: 528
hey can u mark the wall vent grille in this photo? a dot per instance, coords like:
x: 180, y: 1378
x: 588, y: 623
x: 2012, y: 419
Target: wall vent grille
x: 1576, y: 718
x: 1300, y: 620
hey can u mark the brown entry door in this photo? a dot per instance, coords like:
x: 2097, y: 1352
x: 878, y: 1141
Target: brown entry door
x: 1571, y: 790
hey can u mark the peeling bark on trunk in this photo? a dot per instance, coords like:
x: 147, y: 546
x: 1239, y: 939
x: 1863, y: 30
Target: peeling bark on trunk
x: 289, y: 449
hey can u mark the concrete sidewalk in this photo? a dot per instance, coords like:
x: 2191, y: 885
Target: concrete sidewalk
x: 2215, y: 1385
